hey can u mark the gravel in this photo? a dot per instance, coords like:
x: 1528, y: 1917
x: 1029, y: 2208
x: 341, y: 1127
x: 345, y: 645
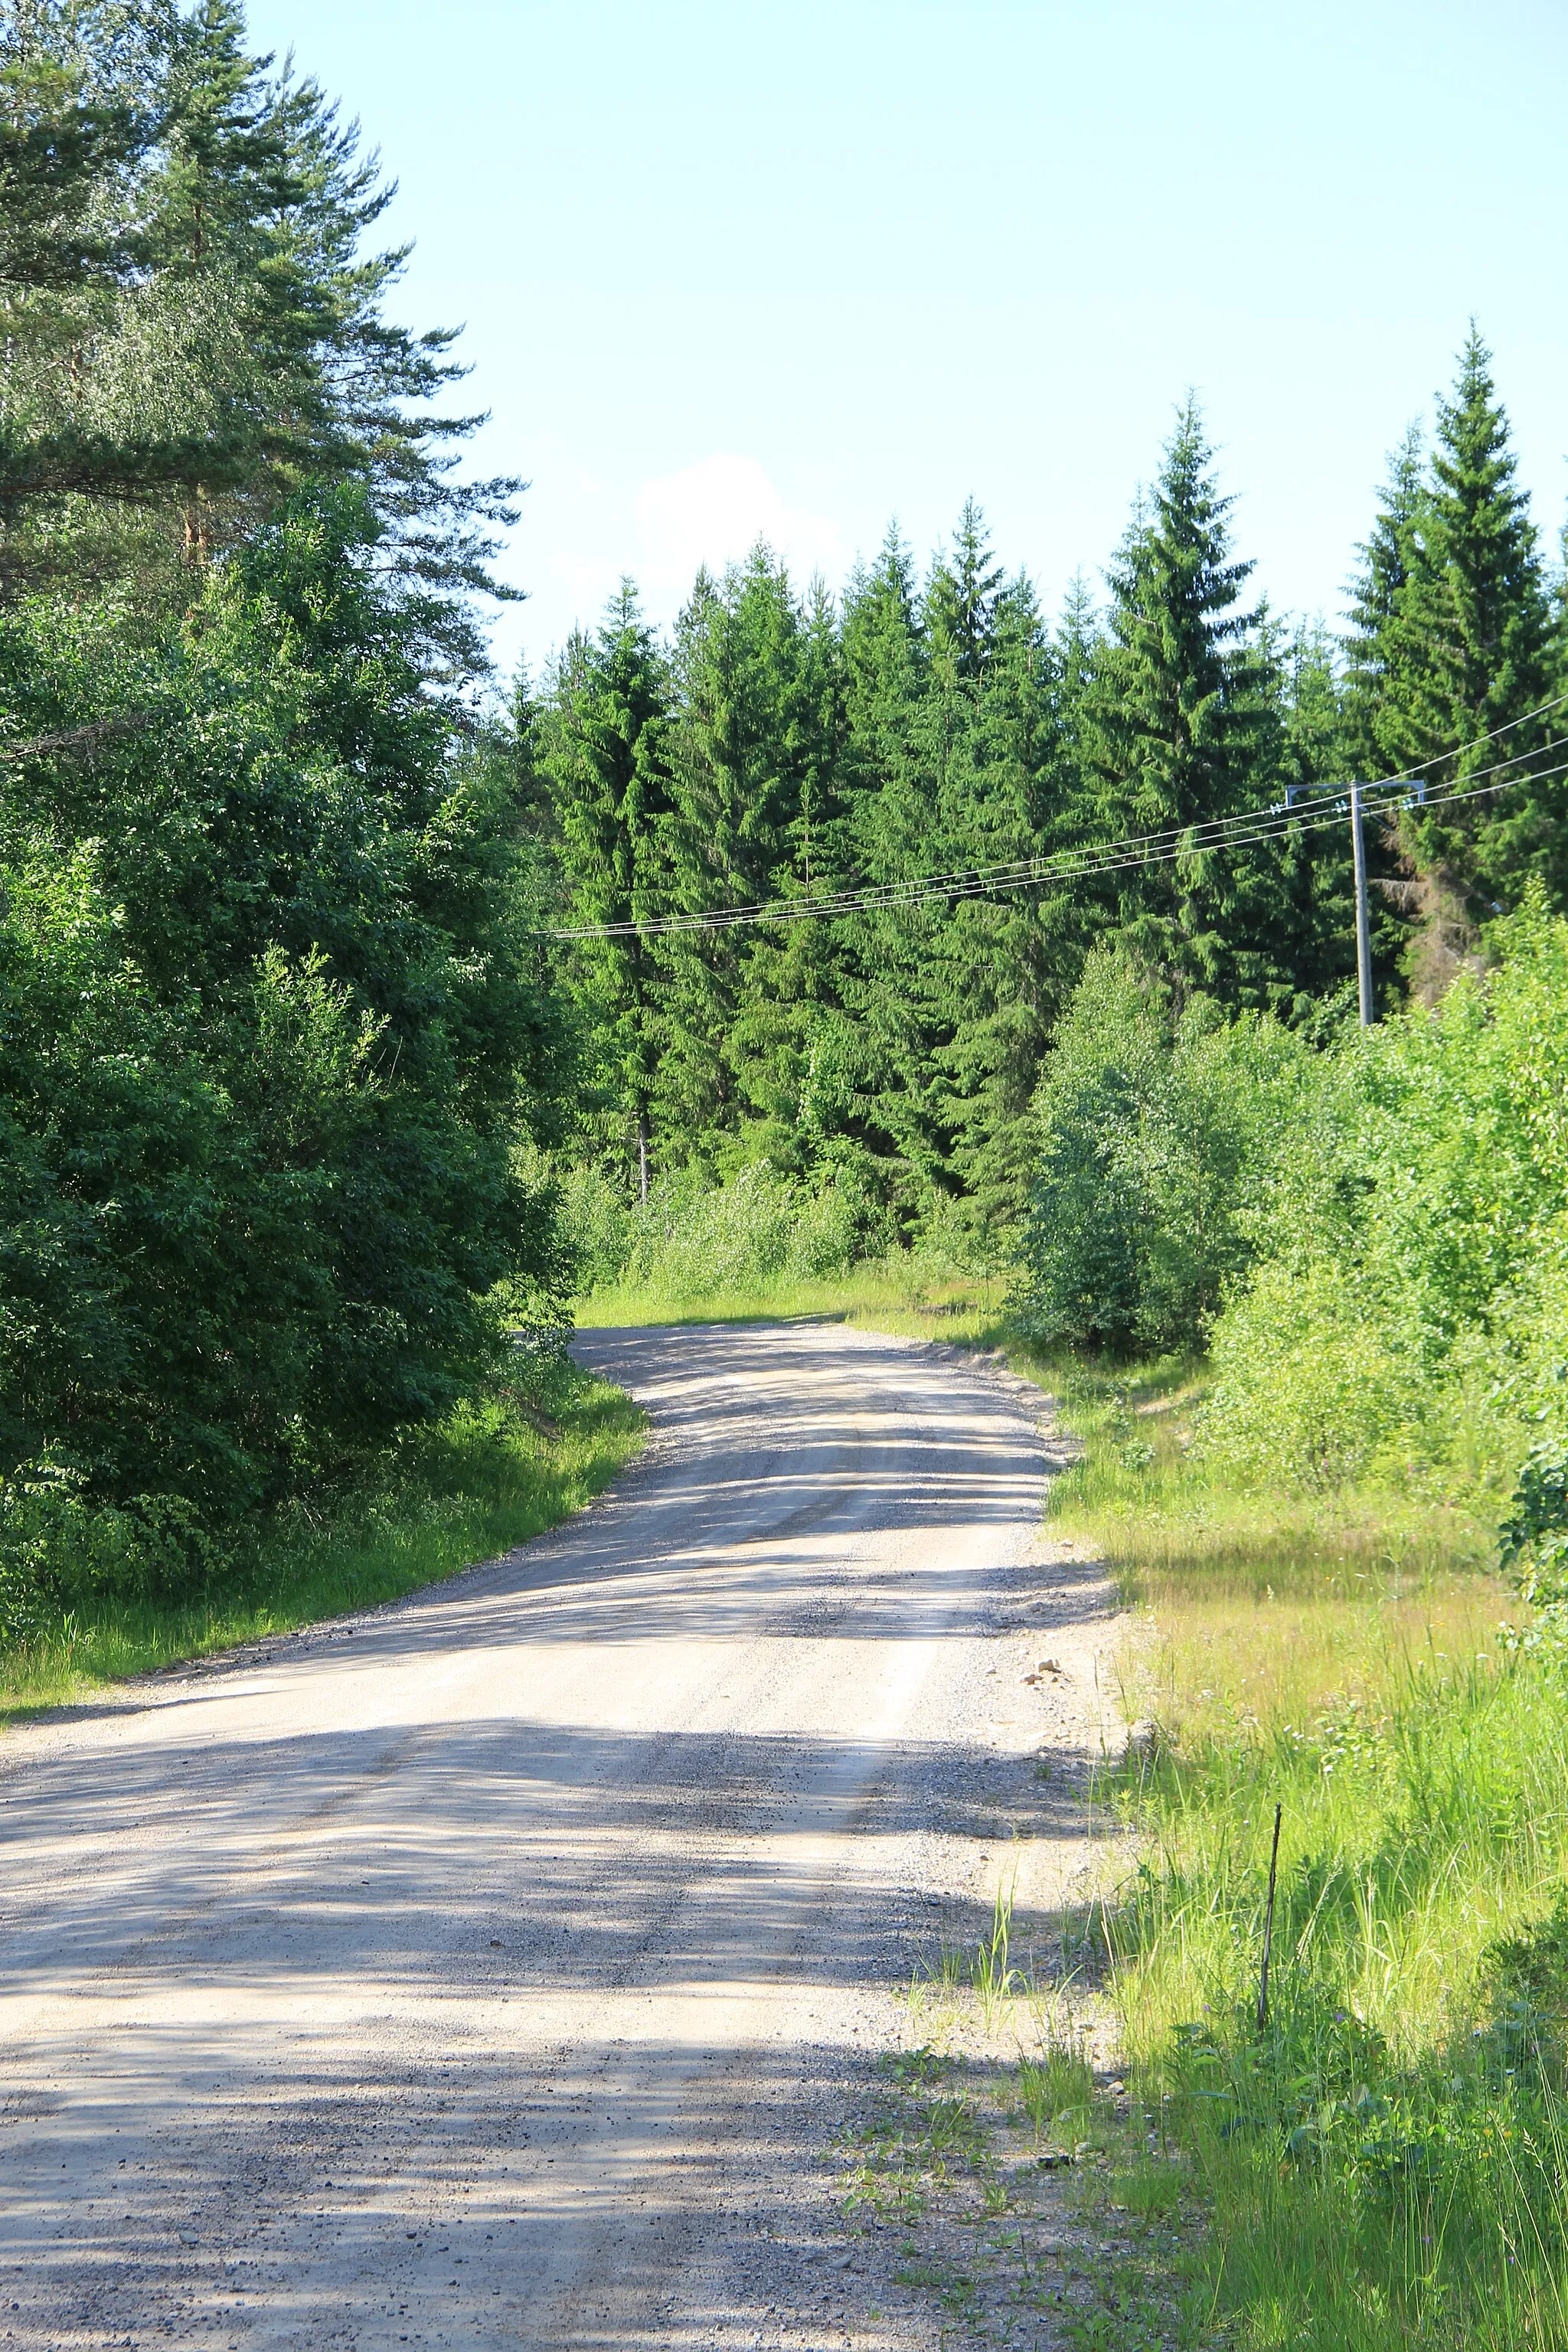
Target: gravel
x: 504, y: 1973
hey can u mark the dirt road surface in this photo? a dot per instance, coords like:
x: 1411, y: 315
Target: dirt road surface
x: 492, y: 1970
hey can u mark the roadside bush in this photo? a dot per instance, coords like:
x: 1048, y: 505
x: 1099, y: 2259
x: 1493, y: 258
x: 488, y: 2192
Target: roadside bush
x: 58, y: 1551
x: 1309, y: 1391
x: 1408, y: 1302
x: 1154, y: 1133
x: 691, y: 1239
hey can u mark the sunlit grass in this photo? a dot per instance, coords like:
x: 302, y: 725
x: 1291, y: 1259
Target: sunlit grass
x: 902, y: 1294
x: 1383, y: 2161
x: 482, y: 1483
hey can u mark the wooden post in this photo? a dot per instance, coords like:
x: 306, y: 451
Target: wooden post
x: 1268, y: 1926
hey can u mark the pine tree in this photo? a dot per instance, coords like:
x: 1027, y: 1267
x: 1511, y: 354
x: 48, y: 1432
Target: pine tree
x: 77, y: 123
x: 193, y: 325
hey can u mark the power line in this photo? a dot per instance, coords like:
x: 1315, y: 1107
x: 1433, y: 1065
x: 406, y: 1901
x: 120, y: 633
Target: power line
x: 1507, y: 728
x: 1239, y: 831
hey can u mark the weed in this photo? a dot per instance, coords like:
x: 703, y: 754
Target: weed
x: 911, y: 2069
x: 1151, y: 2189
x: 935, y: 1985
x: 1060, y: 2085
x: 995, y: 1982
x: 949, y: 2125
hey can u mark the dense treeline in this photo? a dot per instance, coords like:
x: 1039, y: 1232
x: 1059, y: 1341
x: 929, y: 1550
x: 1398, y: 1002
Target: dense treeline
x: 284, y: 1055
x: 782, y: 746
x: 273, y: 1027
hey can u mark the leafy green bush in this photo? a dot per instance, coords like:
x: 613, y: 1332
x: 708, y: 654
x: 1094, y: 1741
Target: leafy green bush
x: 271, y: 1023
x: 1372, y: 1238
x: 1153, y: 1130
x: 692, y: 1239
x: 1408, y: 1308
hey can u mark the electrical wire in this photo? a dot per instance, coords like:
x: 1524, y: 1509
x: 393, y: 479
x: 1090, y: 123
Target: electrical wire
x: 1239, y: 831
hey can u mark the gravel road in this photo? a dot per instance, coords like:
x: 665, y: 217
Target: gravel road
x: 493, y: 1969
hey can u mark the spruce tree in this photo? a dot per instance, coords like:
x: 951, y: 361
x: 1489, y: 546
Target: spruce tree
x: 1183, y: 727
x: 603, y: 747
x: 884, y: 836
x: 1312, y: 865
x: 962, y: 601
x: 1470, y: 638
x: 1374, y: 650
x: 955, y: 748
x: 749, y: 783
x: 1004, y: 963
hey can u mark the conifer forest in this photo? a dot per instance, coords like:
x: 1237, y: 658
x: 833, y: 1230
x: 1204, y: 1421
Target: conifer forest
x: 893, y: 943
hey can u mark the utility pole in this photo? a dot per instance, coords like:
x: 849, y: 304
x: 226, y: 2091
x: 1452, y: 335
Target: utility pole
x: 1362, y: 926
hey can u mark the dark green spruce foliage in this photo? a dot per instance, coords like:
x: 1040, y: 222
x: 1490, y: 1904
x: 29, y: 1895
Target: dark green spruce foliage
x: 964, y: 768
x: 754, y: 744
x: 270, y: 1032
x: 928, y: 729
x: 1184, y: 728
x: 602, y: 742
x: 1374, y: 647
x: 1454, y: 642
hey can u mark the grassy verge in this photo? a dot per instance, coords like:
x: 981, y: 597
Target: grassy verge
x: 1384, y: 2161
x: 485, y: 1480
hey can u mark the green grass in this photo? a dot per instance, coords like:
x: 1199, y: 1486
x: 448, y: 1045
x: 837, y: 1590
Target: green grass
x: 485, y: 1481
x: 902, y: 1294
x: 1385, y: 2162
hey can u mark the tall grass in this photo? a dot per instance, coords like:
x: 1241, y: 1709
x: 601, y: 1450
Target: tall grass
x: 1384, y: 2160
x: 491, y: 1476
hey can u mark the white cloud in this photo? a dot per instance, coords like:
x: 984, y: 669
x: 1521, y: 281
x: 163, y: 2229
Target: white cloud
x: 714, y: 512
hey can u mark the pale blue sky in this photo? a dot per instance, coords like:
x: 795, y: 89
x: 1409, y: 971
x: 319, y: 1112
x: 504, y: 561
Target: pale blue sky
x: 801, y: 267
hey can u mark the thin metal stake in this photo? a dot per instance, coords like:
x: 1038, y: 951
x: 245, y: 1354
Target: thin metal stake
x: 1362, y: 927
x: 1268, y: 1926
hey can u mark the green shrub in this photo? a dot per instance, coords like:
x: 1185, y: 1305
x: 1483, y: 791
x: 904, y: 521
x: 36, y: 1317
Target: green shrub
x: 692, y: 1239
x: 1373, y: 1237
x: 271, y: 1025
x: 1153, y: 1130
x: 1309, y: 1391
x: 1407, y: 1304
